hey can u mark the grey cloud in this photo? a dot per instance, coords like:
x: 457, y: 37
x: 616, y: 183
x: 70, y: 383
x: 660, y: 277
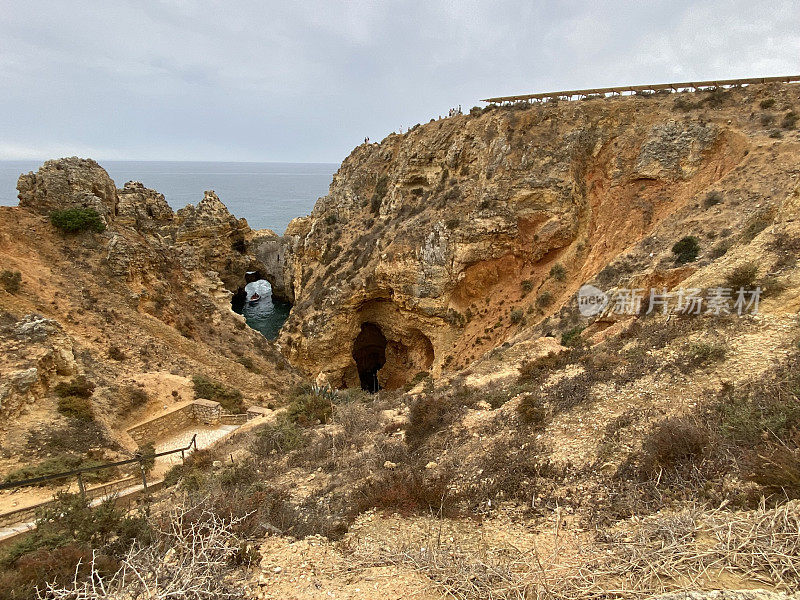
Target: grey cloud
x: 306, y: 81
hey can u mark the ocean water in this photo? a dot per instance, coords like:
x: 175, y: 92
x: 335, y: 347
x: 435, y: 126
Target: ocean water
x: 267, y: 314
x: 268, y: 195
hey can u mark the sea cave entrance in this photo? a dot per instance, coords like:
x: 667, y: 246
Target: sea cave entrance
x: 256, y: 303
x: 369, y: 352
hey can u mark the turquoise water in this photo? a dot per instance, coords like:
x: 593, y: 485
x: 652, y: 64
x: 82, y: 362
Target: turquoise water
x: 267, y: 315
x: 268, y: 195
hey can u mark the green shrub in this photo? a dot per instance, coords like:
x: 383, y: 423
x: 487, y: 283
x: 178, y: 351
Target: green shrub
x: 742, y: 276
x: 69, y: 537
x: 700, y: 354
x: 686, y: 250
x: 75, y: 220
x: 277, y: 438
x: 309, y: 407
x: 767, y: 103
x: 572, y: 337
x: 230, y: 398
x: 11, y: 281
x: 558, y: 272
x: 767, y: 406
x: 544, y: 299
x: 79, y: 386
x: 517, y: 315
x: 77, y: 407
x: 526, y: 285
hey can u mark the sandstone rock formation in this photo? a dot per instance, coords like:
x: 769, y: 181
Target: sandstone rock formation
x: 452, y: 237
x: 69, y: 183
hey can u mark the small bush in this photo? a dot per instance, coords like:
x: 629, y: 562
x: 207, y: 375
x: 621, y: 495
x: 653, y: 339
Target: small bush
x: 430, y: 413
x: 115, y: 353
x: 79, y: 386
x: 742, y: 276
x: 569, y: 392
x: 147, y: 451
x: 758, y: 224
x: 700, y: 354
x: 674, y: 441
x: 712, y: 199
x: 77, y: 407
x: 309, y: 407
x: 407, y: 491
x: 572, y: 337
x: 776, y: 469
x: 277, y: 438
x: 11, y: 281
x: 538, y: 369
x: 527, y: 286
x: 135, y: 396
x: 767, y: 406
x: 790, y: 120
x: 230, y: 398
x: 248, y: 363
x: 516, y: 316
x: 531, y: 411
x: 544, y: 299
x: 686, y: 250
x: 720, y: 249
x: 767, y: 103
x: 558, y: 272
x: 76, y: 220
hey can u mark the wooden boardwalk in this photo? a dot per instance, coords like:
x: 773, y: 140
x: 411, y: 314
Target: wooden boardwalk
x: 633, y: 89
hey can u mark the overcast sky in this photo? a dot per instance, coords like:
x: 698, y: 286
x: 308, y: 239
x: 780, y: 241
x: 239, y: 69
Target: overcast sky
x: 306, y: 81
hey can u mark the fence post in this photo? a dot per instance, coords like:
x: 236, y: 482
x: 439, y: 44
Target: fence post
x: 81, y: 487
x: 194, y: 441
x: 144, y: 474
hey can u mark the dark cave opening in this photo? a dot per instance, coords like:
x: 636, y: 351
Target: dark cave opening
x: 369, y: 352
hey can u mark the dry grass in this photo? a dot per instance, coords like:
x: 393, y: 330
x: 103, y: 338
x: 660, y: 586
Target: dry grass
x: 686, y: 550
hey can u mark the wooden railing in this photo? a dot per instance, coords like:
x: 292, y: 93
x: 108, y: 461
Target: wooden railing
x: 673, y: 87
x: 139, y: 458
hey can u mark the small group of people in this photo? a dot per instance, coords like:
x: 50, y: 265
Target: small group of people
x: 366, y: 140
x: 454, y: 111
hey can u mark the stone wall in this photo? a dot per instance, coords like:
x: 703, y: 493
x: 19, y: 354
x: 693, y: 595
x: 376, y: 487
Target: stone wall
x: 182, y: 417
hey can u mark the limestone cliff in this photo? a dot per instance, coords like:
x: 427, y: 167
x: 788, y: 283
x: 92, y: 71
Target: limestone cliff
x: 143, y: 305
x: 436, y: 246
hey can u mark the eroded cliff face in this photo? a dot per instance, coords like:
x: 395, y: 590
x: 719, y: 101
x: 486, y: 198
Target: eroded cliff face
x: 444, y: 242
